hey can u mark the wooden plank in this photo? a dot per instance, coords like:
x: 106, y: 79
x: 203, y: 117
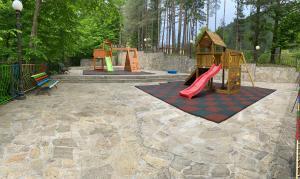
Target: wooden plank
x: 54, y: 83
x: 38, y: 75
x: 41, y: 78
x: 43, y: 82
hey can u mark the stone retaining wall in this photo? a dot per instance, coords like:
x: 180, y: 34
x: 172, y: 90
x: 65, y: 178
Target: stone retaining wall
x: 183, y: 64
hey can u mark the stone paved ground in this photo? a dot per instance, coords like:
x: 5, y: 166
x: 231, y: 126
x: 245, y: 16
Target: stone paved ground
x: 117, y: 131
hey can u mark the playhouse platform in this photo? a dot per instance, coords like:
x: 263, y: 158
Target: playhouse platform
x: 87, y: 75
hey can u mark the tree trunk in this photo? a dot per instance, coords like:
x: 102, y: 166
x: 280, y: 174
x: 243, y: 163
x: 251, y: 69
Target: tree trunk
x: 237, y: 26
x: 139, y: 37
x: 167, y: 30
x: 274, y: 42
x: 7, y: 39
x: 256, y: 32
x: 163, y: 32
x: 207, y: 13
x: 196, y: 30
x: 223, y: 31
x: 34, y: 27
x: 276, y: 18
x: 158, y: 23
x: 216, y: 16
x: 184, y: 30
x: 173, y: 27
x: 179, y: 28
x: 170, y: 30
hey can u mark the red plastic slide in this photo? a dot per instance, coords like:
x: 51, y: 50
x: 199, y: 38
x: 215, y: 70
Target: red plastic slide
x: 200, y: 82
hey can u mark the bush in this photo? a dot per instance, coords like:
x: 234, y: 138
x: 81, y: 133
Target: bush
x: 264, y: 58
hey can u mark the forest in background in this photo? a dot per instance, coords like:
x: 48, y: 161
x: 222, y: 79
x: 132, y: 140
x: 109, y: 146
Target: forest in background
x: 58, y: 31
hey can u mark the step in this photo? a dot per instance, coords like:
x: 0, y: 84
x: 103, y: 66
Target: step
x: 95, y: 77
x: 118, y: 80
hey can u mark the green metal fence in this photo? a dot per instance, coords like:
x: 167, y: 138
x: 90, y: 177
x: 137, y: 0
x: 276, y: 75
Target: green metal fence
x: 9, y: 78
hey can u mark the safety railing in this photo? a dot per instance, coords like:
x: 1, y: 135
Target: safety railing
x: 9, y: 79
x: 297, y: 174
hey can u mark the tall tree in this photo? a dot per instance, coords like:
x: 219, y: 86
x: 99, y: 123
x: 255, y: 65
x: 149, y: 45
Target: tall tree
x: 238, y: 21
x: 258, y: 8
x: 277, y: 14
x: 208, y: 5
x: 180, y: 14
x: 34, y: 28
x: 289, y: 29
x: 173, y: 25
x: 215, y: 6
x: 163, y: 29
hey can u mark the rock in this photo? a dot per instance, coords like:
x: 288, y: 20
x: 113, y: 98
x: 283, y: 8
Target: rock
x: 261, y: 155
x: 34, y: 153
x: 156, y: 162
x: 63, y: 152
x: 213, y: 133
x: 163, y: 174
x: 103, y: 172
x: 63, y: 128
x: 49, y: 131
x: 285, y: 152
x: 5, y: 138
x: 52, y: 172
x: 194, y: 177
x: 175, y: 174
x: 37, y: 166
x: 1, y: 152
x: 68, y: 117
x: 247, y: 163
x: 68, y: 163
x: 16, y: 158
x: 263, y: 137
x: 220, y: 171
x: 197, y: 169
x: 180, y: 163
x: 66, y: 142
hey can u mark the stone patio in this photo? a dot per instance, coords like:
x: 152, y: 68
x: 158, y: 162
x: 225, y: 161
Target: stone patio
x: 117, y: 131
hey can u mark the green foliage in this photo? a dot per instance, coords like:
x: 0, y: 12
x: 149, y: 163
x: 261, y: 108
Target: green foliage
x: 290, y: 28
x: 66, y: 29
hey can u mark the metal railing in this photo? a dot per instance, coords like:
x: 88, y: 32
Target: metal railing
x: 284, y: 59
x: 9, y: 79
x: 297, y: 136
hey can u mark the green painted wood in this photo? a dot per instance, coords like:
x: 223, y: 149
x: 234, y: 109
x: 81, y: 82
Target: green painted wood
x: 39, y: 75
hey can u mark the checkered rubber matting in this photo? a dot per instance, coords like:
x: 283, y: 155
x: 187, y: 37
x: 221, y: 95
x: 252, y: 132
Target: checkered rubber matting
x: 209, y: 105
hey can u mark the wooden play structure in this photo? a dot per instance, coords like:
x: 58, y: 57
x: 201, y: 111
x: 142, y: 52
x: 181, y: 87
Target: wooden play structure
x: 212, y: 50
x: 105, y: 53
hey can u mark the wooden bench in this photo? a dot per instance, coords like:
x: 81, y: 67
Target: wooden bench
x: 43, y: 82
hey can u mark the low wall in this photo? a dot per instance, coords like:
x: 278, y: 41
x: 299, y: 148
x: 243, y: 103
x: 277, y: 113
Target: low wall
x: 183, y: 64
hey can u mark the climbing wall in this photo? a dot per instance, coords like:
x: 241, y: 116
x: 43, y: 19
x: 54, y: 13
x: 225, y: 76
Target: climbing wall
x: 132, y: 63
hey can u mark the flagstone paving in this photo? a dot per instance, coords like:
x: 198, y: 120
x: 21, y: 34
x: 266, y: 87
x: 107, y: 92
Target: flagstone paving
x: 115, y: 131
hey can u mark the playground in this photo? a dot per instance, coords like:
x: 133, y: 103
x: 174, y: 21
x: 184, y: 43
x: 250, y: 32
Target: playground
x: 123, y: 121
x: 134, y: 89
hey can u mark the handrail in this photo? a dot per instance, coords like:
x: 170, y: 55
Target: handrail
x: 209, y: 53
x: 297, y: 135
x: 124, y: 49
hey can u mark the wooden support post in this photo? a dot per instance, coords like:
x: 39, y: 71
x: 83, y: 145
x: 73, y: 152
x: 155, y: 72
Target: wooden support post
x: 223, y: 79
x: 297, y: 159
x: 244, y: 60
